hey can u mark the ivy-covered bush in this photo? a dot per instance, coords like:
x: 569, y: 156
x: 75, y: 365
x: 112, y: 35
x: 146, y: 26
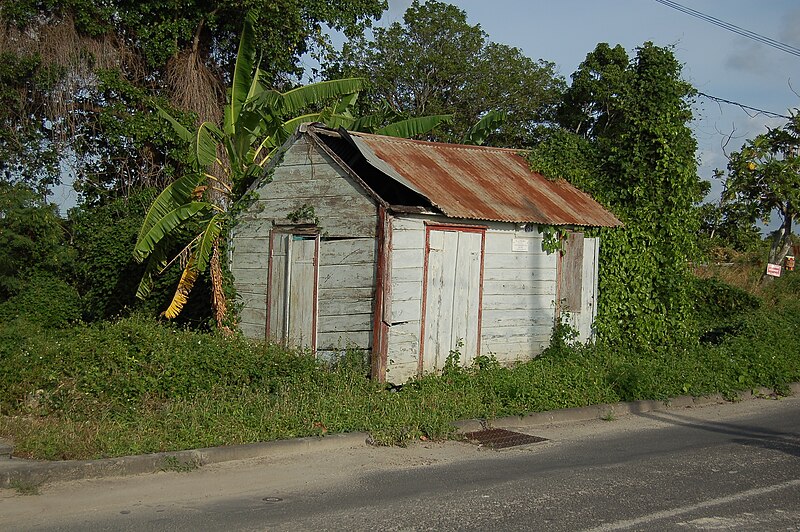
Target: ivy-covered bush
x: 44, y: 299
x: 626, y: 140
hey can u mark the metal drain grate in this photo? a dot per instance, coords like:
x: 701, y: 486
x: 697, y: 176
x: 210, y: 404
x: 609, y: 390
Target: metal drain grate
x: 501, y: 438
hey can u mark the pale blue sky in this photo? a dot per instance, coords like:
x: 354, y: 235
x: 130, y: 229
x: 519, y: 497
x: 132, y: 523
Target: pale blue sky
x: 717, y: 61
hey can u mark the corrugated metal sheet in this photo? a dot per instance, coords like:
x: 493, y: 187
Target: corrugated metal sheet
x: 474, y: 182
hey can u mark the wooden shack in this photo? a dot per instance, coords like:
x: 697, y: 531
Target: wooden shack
x: 410, y: 249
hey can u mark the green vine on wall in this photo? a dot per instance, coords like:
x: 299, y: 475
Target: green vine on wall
x: 305, y: 214
x: 552, y: 239
x: 626, y: 141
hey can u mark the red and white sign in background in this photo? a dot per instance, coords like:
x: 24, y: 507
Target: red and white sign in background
x: 774, y: 270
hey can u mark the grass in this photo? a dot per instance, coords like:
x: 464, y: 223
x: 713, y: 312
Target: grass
x: 25, y: 487
x: 173, y: 463
x: 136, y: 386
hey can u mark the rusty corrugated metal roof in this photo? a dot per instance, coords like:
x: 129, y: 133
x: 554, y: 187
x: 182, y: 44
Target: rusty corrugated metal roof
x: 476, y: 182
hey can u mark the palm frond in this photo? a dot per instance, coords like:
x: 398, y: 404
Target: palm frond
x: 162, y: 227
x: 367, y: 123
x: 302, y: 97
x: 182, y: 131
x: 178, y: 193
x: 205, y: 144
x: 478, y: 133
x: 345, y: 103
x: 206, y: 243
x: 156, y: 264
x: 413, y: 127
x: 242, y: 73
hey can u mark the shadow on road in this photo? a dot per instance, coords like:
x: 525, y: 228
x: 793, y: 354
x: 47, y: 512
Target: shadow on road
x: 743, y: 434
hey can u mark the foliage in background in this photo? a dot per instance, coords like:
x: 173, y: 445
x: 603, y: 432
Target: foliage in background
x: 764, y: 178
x: 626, y: 140
x: 74, y: 73
x: 727, y: 226
x: 26, y: 154
x: 32, y: 236
x: 435, y: 62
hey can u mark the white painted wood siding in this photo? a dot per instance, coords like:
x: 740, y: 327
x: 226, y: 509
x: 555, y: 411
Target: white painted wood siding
x: 453, y: 292
x: 406, y: 263
x: 346, y: 293
x: 519, y: 292
x: 518, y: 303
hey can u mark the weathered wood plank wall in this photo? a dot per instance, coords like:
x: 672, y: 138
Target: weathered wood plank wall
x: 406, y: 262
x: 519, y: 291
x: 347, y: 219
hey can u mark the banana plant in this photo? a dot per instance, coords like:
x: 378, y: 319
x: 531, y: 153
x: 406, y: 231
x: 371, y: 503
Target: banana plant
x: 221, y: 160
x: 481, y: 130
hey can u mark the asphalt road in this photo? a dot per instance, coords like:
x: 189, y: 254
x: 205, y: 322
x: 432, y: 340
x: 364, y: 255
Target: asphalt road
x: 720, y: 467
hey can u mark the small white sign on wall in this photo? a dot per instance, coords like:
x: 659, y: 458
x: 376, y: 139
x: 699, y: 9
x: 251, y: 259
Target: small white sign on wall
x: 520, y: 244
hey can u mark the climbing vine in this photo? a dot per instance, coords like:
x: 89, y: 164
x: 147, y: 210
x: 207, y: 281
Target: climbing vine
x: 626, y: 141
x: 552, y: 239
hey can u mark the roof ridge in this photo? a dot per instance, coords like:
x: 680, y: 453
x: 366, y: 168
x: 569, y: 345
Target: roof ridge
x: 448, y: 145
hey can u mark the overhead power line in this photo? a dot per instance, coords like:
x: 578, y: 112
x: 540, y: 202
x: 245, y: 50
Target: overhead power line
x: 789, y: 49
x: 741, y: 105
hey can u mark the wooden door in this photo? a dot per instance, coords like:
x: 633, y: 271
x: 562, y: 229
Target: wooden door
x: 292, y: 304
x: 452, y: 296
x: 579, y: 283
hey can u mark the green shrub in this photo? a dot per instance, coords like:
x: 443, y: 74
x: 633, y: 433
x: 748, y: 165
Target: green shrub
x: 43, y: 299
x: 719, y: 307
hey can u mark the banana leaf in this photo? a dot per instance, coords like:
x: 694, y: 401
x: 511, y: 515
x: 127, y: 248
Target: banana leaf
x: 478, y: 133
x: 181, y: 130
x: 205, y: 144
x: 242, y: 73
x: 178, y: 193
x: 148, y: 241
x: 205, y: 245
x: 413, y: 127
x: 302, y: 97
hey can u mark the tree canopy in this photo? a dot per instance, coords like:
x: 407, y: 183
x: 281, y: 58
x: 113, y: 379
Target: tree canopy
x: 764, y: 179
x: 81, y: 76
x: 435, y: 62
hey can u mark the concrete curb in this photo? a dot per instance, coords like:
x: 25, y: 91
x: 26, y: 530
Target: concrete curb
x: 612, y: 410
x: 15, y: 472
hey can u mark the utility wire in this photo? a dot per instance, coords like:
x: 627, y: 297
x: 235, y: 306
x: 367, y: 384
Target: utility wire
x: 741, y: 105
x: 789, y: 49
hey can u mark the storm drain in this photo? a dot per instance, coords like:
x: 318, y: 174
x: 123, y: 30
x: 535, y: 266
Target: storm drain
x: 501, y: 438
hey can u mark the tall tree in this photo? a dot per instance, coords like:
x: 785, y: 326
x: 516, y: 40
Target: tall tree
x: 435, y: 62
x: 626, y: 126
x: 83, y: 74
x: 764, y: 179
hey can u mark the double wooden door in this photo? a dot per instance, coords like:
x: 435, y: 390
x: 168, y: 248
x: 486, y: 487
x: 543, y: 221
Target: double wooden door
x: 452, y: 296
